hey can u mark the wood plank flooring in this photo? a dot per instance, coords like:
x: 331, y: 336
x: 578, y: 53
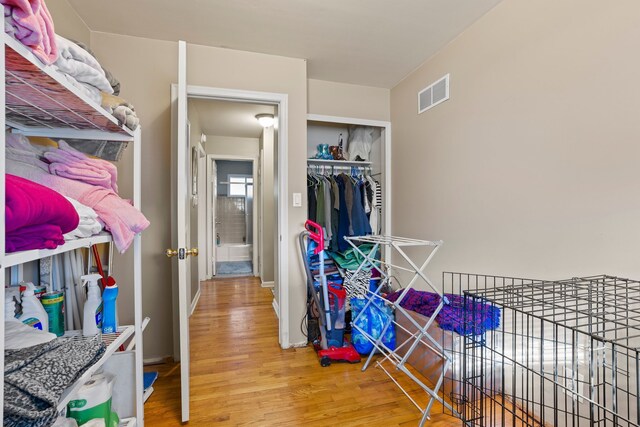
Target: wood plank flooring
x: 240, y: 376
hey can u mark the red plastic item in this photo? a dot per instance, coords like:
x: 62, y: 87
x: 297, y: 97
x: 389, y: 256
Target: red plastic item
x: 316, y: 233
x: 347, y: 353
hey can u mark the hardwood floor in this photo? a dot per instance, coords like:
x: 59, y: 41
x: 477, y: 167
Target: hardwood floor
x: 240, y: 376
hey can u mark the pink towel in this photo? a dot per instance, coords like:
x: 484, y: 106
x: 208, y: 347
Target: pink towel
x: 36, y: 217
x: 30, y: 22
x: 120, y: 218
x: 70, y: 163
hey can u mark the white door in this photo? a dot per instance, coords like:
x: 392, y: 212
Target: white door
x: 213, y: 193
x: 180, y: 253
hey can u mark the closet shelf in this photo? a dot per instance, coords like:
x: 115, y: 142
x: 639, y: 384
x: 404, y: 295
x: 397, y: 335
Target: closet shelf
x: 113, y: 342
x: 41, y: 101
x: 337, y: 162
x: 16, y: 258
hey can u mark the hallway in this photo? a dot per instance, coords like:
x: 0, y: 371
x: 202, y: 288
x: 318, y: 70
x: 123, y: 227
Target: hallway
x: 240, y: 376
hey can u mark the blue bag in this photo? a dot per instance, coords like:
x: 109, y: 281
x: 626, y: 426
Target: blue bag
x: 375, y: 317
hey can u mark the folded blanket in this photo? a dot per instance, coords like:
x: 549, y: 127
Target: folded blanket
x: 35, y: 378
x: 29, y: 22
x: 470, y: 317
x: 76, y: 62
x: 41, y: 236
x: 122, y: 110
x: 122, y: 219
x: 89, y: 224
x: 36, y: 217
x: 113, y: 81
x: 70, y: 163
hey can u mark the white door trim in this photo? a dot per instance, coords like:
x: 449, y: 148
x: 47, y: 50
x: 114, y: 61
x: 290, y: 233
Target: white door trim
x: 386, y: 160
x: 254, y: 163
x: 282, y: 101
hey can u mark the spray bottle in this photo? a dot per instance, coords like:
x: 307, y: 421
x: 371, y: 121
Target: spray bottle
x: 92, y: 320
x: 110, y: 313
x: 33, y: 313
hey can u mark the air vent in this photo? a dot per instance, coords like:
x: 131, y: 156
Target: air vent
x: 433, y: 94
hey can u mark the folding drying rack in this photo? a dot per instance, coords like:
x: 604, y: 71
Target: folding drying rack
x: 403, y: 350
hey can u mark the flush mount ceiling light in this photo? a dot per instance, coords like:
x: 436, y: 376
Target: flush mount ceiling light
x: 266, y: 120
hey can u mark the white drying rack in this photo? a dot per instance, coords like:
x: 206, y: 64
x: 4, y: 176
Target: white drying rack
x: 421, y: 335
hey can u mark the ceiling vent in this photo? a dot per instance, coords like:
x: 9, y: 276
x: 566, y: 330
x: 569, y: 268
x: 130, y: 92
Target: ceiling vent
x: 433, y: 94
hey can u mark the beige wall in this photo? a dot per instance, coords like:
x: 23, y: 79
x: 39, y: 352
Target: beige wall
x: 232, y: 146
x: 347, y: 100
x: 194, y: 211
x: 268, y: 210
x: 146, y: 69
x: 531, y: 168
x: 67, y: 22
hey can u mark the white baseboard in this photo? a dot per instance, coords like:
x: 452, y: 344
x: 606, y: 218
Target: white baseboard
x: 276, y: 308
x: 155, y: 360
x: 194, y: 303
x: 266, y: 284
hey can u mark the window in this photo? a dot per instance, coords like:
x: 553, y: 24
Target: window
x: 238, y: 185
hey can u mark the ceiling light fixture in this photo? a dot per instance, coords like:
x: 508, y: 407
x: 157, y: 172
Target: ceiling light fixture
x: 266, y: 120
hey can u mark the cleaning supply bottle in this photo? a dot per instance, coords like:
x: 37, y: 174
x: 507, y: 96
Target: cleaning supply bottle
x: 33, y: 313
x: 110, y: 310
x: 92, y: 323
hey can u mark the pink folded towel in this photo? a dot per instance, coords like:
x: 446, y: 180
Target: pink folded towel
x: 119, y: 217
x: 70, y: 163
x: 36, y: 217
x: 30, y: 22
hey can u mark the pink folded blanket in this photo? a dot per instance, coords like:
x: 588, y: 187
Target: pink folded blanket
x: 36, y: 217
x: 122, y: 219
x: 70, y: 163
x: 30, y: 22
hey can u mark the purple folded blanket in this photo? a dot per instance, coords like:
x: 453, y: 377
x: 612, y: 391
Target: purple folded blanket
x: 36, y: 217
x: 474, y: 319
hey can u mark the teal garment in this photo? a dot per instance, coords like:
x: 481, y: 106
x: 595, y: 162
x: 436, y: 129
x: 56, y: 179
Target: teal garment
x: 351, y: 260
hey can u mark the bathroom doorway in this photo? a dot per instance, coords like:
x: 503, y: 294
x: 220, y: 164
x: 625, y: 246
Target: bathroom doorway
x: 234, y: 217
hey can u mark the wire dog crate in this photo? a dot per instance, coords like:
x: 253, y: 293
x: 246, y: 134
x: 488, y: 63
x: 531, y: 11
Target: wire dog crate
x: 566, y: 352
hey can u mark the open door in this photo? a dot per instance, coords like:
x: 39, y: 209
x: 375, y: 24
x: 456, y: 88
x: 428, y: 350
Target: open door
x: 213, y: 195
x: 180, y: 253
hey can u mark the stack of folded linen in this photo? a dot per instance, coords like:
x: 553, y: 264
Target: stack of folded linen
x: 89, y: 224
x: 85, y: 71
x: 119, y: 217
x: 36, y: 217
x: 68, y: 162
x: 29, y: 22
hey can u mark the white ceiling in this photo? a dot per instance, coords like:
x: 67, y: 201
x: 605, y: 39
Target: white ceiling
x: 227, y: 118
x: 365, y: 42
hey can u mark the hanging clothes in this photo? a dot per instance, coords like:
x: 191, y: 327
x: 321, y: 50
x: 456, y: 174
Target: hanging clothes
x: 343, y: 205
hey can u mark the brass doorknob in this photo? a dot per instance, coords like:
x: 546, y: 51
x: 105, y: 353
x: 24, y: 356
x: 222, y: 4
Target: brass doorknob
x: 192, y: 252
x: 171, y: 253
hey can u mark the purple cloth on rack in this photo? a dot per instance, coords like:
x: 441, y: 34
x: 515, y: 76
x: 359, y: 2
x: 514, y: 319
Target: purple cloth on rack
x: 473, y: 319
x: 30, y: 22
x: 36, y: 217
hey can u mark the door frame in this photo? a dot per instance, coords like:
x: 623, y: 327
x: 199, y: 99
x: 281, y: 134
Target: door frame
x: 281, y: 100
x: 210, y: 213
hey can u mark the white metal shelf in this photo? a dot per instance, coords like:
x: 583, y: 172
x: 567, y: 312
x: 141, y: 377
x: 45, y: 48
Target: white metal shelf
x: 337, y: 162
x: 41, y: 101
x: 113, y: 342
x: 22, y: 257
